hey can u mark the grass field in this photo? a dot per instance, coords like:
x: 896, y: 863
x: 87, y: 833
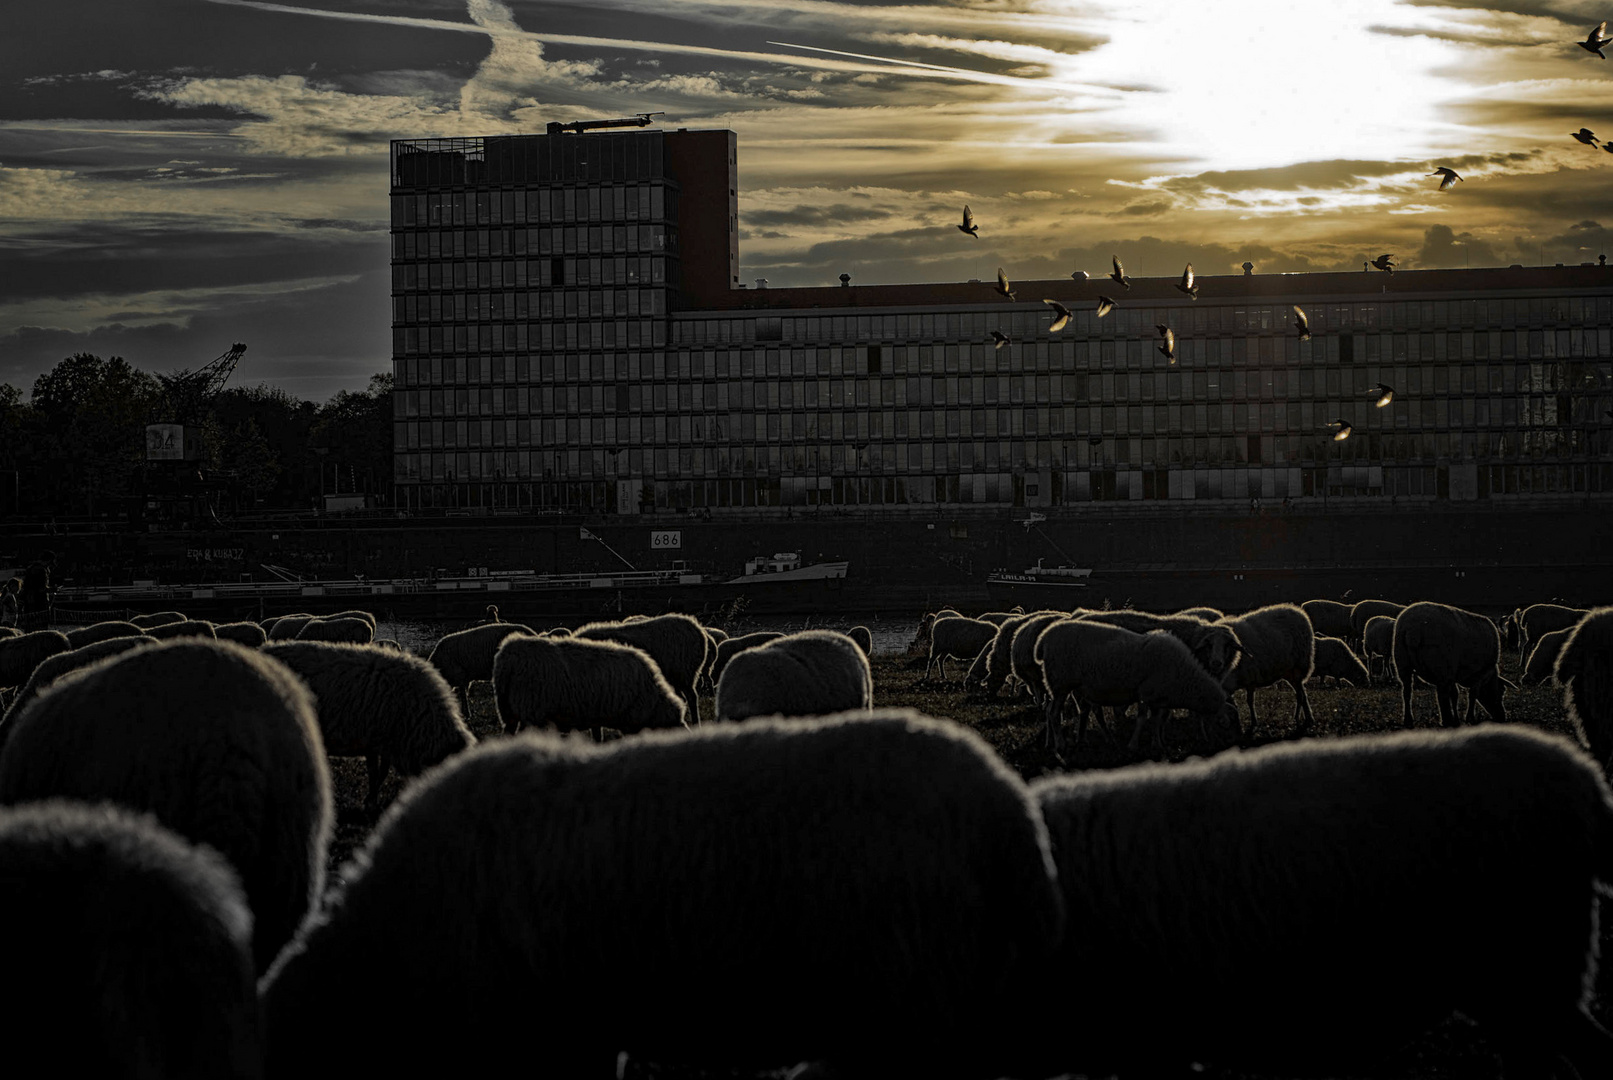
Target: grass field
x: 1014, y: 730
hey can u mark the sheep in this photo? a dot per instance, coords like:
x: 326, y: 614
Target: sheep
x: 557, y: 631
x: 9, y: 631
x: 1329, y: 618
x: 1367, y: 609
x: 864, y: 638
x: 1000, y: 661
x: 1280, y: 935
x: 287, y: 627
x: 54, y: 667
x: 218, y: 741
x: 131, y: 949
x: 1543, y: 658
x: 249, y: 634
x: 811, y: 673
x: 268, y: 624
x: 729, y: 648
x: 1208, y: 614
x: 101, y: 631
x: 1447, y: 647
x: 355, y: 613
x: 345, y: 629
x: 158, y: 618
x: 707, y: 682
x: 390, y: 708
x: 1585, y: 670
x: 1000, y: 617
x: 677, y: 643
x: 1378, y: 642
x: 20, y: 655
x: 189, y: 628
x: 581, y: 684
x: 975, y: 677
x: 1335, y: 661
x: 1279, y: 644
x: 891, y: 888
x: 1213, y: 645
x: 921, y: 637
x: 390, y: 644
x: 957, y: 638
x: 1022, y: 651
x: 1538, y: 620
x: 1099, y: 664
x: 467, y: 655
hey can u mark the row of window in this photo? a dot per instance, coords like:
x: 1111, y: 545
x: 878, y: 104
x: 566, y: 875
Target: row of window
x: 549, y: 271
x: 542, y: 205
x: 411, y: 249
x: 438, y: 312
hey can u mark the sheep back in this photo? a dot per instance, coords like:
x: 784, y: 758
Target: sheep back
x: 811, y: 673
x: 287, y: 627
x: 958, y: 637
x: 728, y: 648
x: 189, y: 628
x: 249, y: 634
x: 891, y: 888
x: 1461, y: 877
x: 21, y: 654
x: 101, y: 631
x: 1279, y: 644
x: 131, y: 951
x: 1542, y: 660
x: 1334, y: 660
x: 1329, y: 618
x: 344, y: 628
x: 217, y: 741
x: 1585, y: 668
x: 677, y: 643
x: 158, y: 618
x: 1538, y: 620
x: 54, y: 667
x: 576, y: 683
x: 1367, y: 609
x: 467, y: 655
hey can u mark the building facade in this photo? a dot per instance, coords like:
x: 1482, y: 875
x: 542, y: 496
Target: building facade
x: 570, y: 333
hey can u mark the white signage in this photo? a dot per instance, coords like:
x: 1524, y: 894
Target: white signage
x: 165, y: 442
x: 665, y: 539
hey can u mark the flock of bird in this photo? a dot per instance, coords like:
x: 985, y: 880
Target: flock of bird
x: 1594, y: 42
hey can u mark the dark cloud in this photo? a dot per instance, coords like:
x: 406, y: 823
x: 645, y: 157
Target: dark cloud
x: 1586, y: 224
x: 1146, y: 209
x: 838, y: 213
x: 1309, y: 175
x: 1444, y: 247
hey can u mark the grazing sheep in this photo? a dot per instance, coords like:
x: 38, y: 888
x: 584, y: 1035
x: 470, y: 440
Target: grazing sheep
x: 1585, y: 668
x: 1335, y: 661
x: 1329, y: 618
x: 218, y: 741
x: 579, y: 684
x: 287, y: 627
x: 890, y: 888
x: 677, y: 644
x: 189, y: 628
x: 249, y: 634
x: 101, y: 631
x: 1022, y: 652
x: 864, y: 638
x: 1306, y: 907
x: 1378, y: 643
x: 1538, y: 620
x: 158, y: 618
x: 20, y: 655
x: 130, y: 954
x: 974, y: 679
x: 54, y: 667
x: 1542, y: 660
x: 1279, y: 645
x: 1000, y: 617
x: 1099, y: 665
x: 1367, y: 609
x: 344, y: 629
x: 465, y: 656
x: 921, y: 639
x: 811, y: 673
x: 1446, y: 647
x: 355, y: 613
x: 958, y: 638
x: 390, y: 708
x: 1000, y: 657
x: 1214, y: 646
x: 268, y: 624
x: 730, y: 647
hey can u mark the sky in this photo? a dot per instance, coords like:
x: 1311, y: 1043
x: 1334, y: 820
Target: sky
x: 178, y: 175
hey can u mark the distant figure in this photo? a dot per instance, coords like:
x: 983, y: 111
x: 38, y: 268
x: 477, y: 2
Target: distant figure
x: 36, y: 584
x: 1596, y: 40
x: 9, y: 608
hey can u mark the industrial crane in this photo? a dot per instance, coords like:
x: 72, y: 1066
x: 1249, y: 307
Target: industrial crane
x: 579, y: 126
x: 189, y: 391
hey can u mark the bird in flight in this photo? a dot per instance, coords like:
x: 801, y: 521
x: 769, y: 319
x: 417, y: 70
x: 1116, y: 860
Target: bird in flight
x: 1449, y: 177
x: 1186, y: 285
x: 1119, y: 274
x: 1061, y: 316
x: 1167, y: 343
x: 1105, y: 305
x: 1000, y: 338
x: 1301, y: 323
x: 1344, y: 429
x: 969, y: 225
x: 1003, y: 288
x: 1586, y: 136
x: 1385, y: 394
x: 1385, y: 262
x: 1596, y: 40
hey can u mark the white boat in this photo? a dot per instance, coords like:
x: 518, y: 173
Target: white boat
x: 785, y: 566
x: 1067, y: 576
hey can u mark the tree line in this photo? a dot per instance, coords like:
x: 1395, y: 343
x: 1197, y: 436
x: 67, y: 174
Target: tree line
x: 77, y: 446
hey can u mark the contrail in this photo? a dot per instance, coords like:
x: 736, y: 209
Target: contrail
x: 882, y: 67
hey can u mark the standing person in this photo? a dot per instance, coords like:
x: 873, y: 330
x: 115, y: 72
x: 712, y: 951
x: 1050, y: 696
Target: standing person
x: 8, y: 603
x: 36, y: 584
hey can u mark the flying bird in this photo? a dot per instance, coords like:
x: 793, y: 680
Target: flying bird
x: 1301, y: 323
x: 1344, y: 429
x: 1385, y: 262
x: 1105, y: 305
x: 1061, y: 316
x: 1119, y: 274
x: 1385, y: 393
x: 1596, y: 40
x: 1167, y: 344
x: 1000, y: 338
x: 1449, y: 177
x: 1186, y: 285
x: 1003, y: 288
x: 969, y: 225
x: 1586, y: 136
